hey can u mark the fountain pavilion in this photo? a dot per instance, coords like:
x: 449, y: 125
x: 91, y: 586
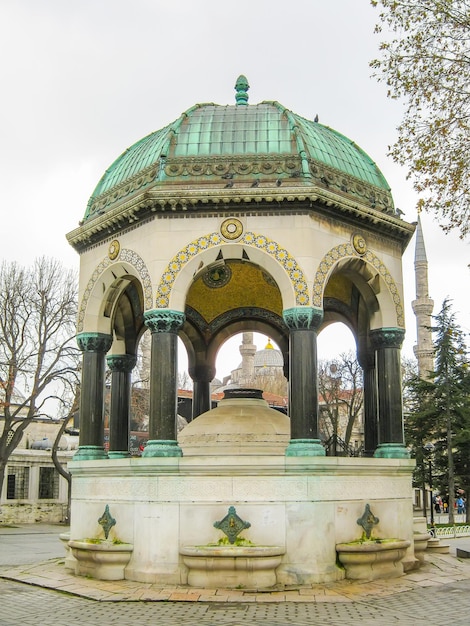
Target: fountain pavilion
x: 233, y: 218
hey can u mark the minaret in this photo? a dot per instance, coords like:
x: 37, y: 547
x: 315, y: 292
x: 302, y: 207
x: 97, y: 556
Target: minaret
x: 422, y: 307
x: 248, y: 351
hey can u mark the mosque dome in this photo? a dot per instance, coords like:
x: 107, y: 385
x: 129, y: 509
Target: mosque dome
x: 238, y: 153
x: 269, y: 357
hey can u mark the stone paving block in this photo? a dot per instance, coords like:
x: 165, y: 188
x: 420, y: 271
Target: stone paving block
x: 332, y: 599
x: 212, y: 598
x: 184, y: 597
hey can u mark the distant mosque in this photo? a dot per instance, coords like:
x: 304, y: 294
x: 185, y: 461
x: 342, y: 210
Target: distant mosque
x: 263, y: 369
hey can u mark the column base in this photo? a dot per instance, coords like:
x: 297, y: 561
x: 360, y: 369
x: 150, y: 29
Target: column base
x: 391, y: 451
x: 162, y: 447
x: 118, y: 454
x: 305, y: 447
x: 90, y: 453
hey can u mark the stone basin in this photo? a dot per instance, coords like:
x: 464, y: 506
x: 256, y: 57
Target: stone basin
x: 104, y: 560
x: 232, y: 566
x: 369, y: 560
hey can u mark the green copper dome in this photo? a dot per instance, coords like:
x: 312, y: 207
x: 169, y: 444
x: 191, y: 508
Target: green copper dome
x: 241, y: 147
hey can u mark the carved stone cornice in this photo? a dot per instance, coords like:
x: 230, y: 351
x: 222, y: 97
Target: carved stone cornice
x: 214, y: 197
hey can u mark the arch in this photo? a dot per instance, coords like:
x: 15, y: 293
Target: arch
x: 110, y: 269
x: 346, y: 251
x: 195, y: 257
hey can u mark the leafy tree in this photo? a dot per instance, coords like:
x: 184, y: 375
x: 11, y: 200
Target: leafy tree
x: 441, y: 411
x: 38, y: 354
x: 425, y: 60
x: 340, y: 387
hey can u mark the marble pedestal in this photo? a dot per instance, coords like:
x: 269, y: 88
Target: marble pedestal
x: 304, y: 505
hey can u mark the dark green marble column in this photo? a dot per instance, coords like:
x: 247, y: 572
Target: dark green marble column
x: 371, y: 432
x: 94, y: 347
x: 121, y: 367
x: 303, y: 323
x: 202, y: 376
x: 164, y: 325
x: 387, y: 343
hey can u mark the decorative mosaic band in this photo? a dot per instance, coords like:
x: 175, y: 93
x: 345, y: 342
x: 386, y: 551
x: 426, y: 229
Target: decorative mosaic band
x: 121, y: 362
x: 357, y: 250
x: 166, y: 321
x: 303, y: 318
x: 127, y: 256
x: 94, y: 342
x: 387, y: 337
x: 269, y: 246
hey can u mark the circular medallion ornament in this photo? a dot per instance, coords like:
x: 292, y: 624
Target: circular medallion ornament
x: 359, y: 244
x: 114, y: 249
x: 231, y: 229
x: 217, y: 276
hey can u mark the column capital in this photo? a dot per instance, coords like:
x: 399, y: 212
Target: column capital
x: 94, y: 342
x: 202, y: 373
x: 121, y: 362
x: 303, y: 318
x: 387, y: 337
x: 164, y: 320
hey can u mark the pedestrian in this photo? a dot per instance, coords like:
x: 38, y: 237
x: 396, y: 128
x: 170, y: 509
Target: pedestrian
x: 460, y: 505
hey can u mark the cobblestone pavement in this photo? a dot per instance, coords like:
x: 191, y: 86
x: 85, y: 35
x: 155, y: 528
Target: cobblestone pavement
x: 26, y: 605
x: 40, y: 592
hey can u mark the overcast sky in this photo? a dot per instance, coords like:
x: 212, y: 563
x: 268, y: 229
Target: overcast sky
x: 83, y: 80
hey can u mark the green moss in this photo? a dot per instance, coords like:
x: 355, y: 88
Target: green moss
x: 239, y: 541
x: 96, y: 540
x: 223, y: 541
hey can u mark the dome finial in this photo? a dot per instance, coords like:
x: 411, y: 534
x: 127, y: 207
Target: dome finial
x: 241, y: 87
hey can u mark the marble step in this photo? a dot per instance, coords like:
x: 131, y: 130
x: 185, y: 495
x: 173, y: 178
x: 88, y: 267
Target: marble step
x: 435, y: 545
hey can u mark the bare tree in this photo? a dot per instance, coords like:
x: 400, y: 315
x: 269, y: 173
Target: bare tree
x: 340, y: 389
x: 55, y: 458
x: 38, y: 355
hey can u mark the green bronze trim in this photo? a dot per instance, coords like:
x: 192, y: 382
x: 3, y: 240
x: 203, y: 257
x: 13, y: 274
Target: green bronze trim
x: 94, y: 342
x: 368, y: 521
x: 241, y: 87
x: 303, y: 318
x: 90, y: 453
x: 106, y: 521
x: 164, y: 320
x: 391, y: 451
x: 387, y: 337
x: 162, y: 448
x: 305, y: 447
x: 121, y: 362
x: 232, y: 525
x: 118, y: 454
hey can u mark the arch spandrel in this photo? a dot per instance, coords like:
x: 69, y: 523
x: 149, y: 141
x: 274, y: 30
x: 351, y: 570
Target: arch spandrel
x: 96, y: 296
x: 199, y: 254
x: 390, y: 311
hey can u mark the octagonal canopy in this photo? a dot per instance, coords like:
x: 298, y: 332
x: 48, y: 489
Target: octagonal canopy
x: 240, y: 145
